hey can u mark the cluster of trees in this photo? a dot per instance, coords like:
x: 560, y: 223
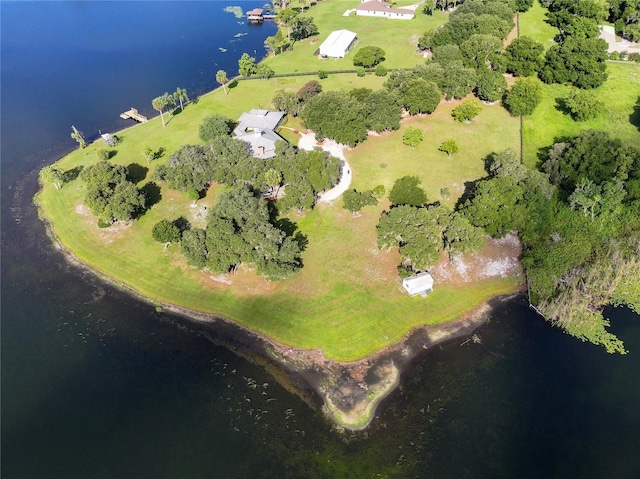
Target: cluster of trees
x: 422, y: 232
x: 625, y: 15
x: 293, y: 102
x: 247, y: 67
x: 578, y: 221
x: 167, y: 101
x: 346, y: 116
x: 578, y: 57
x: 239, y: 231
x: 302, y: 174
x: 298, y: 27
x: 111, y: 195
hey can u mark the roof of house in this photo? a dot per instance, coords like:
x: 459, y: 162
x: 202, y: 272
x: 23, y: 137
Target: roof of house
x: 261, y: 142
x: 378, y: 6
x: 256, y: 128
x: 419, y: 283
x: 337, y: 43
x: 255, y: 11
x: 258, y: 119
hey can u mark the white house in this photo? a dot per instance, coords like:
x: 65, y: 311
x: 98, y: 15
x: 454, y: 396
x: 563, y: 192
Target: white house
x: 337, y: 44
x: 419, y: 284
x: 257, y: 129
x: 380, y: 8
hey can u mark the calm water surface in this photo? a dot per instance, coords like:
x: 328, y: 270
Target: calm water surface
x: 98, y: 385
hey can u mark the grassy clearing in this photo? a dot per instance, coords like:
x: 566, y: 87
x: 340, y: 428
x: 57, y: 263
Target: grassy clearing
x: 619, y: 95
x: 347, y: 300
x: 533, y: 25
x: 398, y: 38
x: 383, y: 159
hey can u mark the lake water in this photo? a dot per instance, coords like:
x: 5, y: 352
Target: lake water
x: 96, y: 384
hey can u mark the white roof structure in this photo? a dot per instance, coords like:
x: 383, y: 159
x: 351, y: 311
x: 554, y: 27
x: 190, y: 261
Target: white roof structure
x: 337, y: 44
x: 256, y: 128
x: 419, y: 284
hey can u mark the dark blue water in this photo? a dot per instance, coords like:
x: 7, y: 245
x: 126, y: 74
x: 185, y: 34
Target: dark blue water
x: 96, y: 384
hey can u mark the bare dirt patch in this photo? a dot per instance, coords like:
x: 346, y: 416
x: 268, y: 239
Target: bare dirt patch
x: 498, y: 259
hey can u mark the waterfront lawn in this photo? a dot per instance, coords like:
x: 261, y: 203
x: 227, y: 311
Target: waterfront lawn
x: 619, y: 94
x: 347, y: 300
x: 398, y: 38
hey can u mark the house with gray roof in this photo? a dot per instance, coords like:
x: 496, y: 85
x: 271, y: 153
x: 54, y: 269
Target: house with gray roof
x: 257, y: 128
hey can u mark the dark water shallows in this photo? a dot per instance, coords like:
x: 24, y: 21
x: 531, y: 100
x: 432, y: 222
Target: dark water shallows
x: 96, y: 384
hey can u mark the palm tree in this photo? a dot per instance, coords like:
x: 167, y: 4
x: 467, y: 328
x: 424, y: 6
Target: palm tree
x: 161, y: 103
x: 221, y: 77
x: 181, y: 95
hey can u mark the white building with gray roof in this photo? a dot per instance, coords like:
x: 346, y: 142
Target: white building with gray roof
x: 257, y: 128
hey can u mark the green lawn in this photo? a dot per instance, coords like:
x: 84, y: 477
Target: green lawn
x: 533, y: 25
x: 347, y: 300
x: 398, y: 38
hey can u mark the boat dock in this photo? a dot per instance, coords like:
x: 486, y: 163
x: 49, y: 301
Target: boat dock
x: 133, y: 115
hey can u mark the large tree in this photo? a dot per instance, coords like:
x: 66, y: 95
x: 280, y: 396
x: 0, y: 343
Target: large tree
x: 577, y: 61
x: 246, y: 65
x: 214, y: 126
x: 368, y: 56
x: 336, y: 115
x: 524, y: 96
x: 406, y: 191
x: 420, y: 96
x: 54, y: 175
x: 524, y: 56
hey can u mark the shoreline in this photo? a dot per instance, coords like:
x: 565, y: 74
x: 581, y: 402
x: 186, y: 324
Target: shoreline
x: 350, y: 392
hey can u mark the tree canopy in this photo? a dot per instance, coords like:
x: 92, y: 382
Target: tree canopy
x: 368, y: 56
x: 405, y: 191
x: 525, y: 95
x: 336, y: 115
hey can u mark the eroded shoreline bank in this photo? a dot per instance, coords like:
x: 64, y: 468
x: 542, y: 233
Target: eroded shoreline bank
x: 349, y: 392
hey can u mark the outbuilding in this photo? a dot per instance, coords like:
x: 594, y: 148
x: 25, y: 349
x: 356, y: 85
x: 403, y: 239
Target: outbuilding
x: 380, y: 8
x: 418, y: 284
x: 337, y: 44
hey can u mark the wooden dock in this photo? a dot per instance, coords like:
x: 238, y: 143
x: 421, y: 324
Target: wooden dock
x: 133, y: 115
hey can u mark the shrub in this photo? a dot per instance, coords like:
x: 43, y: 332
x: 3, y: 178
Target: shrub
x: 381, y: 71
x: 412, y: 136
x: 103, y: 155
x: 583, y: 105
x: 322, y: 74
x: 360, y: 71
x: 467, y: 110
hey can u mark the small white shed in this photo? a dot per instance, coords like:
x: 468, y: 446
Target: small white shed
x: 419, y: 284
x: 338, y: 44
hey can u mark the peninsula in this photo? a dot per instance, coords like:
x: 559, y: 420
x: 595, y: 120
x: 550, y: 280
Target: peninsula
x: 327, y: 302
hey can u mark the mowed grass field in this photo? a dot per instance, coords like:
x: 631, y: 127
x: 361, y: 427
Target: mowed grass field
x: 398, y: 38
x: 347, y: 300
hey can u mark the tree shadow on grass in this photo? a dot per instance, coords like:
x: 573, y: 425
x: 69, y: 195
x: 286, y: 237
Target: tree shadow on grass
x: 232, y: 84
x: 72, y: 174
x: 152, y: 194
x: 136, y: 173
x: 182, y: 224
x: 634, y: 118
x: 291, y: 230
